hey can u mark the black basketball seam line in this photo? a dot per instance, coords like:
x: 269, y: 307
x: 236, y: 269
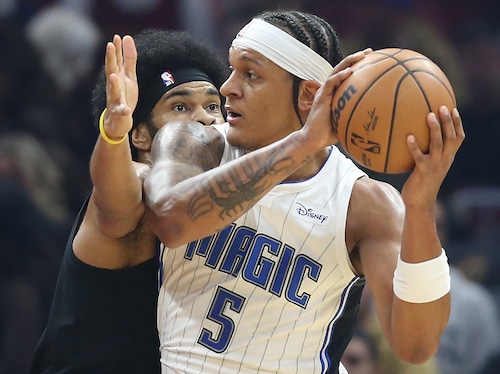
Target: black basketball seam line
x: 384, y: 56
x: 409, y: 73
x: 438, y: 80
x: 431, y: 74
x: 393, y: 116
x: 389, y: 54
x: 398, y: 63
x: 348, y: 123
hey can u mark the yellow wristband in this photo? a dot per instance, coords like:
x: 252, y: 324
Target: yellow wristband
x: 103, y: 134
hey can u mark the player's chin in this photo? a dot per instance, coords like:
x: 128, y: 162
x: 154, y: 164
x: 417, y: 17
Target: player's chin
x: 236, y: 137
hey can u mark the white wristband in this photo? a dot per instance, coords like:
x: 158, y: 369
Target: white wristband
x: 422, y: 282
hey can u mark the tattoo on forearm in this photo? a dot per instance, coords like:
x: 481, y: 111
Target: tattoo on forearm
x: 241, y: 187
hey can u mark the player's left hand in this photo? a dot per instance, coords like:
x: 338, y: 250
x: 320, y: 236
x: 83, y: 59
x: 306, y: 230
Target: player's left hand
x: 446, y: 137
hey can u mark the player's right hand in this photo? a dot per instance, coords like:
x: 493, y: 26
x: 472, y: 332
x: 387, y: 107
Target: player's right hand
x: 319, y: 121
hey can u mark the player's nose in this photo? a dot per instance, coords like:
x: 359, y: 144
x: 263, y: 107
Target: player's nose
x: 202, y: 116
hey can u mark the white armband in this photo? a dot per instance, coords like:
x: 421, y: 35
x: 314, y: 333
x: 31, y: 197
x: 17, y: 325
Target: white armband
x: 422, y: 282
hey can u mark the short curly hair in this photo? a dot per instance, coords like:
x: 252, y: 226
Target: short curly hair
x: 159, y: 50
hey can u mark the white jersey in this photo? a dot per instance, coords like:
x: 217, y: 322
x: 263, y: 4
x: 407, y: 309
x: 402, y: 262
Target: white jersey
x: 278, y: 278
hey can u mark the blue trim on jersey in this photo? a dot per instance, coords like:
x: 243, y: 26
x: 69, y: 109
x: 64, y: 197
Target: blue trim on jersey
x: 325, y: 359
x: 161, y: 251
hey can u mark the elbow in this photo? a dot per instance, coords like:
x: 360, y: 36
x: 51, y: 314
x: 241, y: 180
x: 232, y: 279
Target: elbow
x: 418, y: 354
x: 162, y: 214
x: 118, y: 224
x: 166, y: 227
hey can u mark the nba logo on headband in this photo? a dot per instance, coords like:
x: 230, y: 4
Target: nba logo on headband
x: 242, y: 31
x: 168, y: 78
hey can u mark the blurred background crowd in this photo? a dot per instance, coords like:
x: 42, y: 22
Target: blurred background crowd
x: 50, y: 54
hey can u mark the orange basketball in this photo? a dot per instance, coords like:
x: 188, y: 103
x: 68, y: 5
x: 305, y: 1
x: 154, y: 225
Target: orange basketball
x: 386, y: 98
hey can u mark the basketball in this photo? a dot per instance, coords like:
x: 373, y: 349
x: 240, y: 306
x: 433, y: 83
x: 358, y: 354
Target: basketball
x: 386, y: 98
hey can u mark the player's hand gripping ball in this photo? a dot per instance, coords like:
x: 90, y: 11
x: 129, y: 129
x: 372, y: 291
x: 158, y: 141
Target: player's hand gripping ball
x: 386, y: 98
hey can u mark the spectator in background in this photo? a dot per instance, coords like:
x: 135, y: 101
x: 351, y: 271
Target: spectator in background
x: 32, y: 205
x: 69, y: 45
x: 128, y: 16
x: 30, y: 252
x: 481, y: 112
x: 388, y: 362
x: 24, y: 85
x: 24, y: 159
x: 492, y: 366
x: 33, y: 226
x: 472, y: 336
x: 361, y: 355
x: 67, y: 42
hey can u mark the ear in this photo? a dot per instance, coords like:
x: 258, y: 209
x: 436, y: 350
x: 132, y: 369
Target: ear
x: 141, y: 138
x: 307, y: 91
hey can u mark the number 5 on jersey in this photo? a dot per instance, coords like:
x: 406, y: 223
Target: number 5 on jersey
x: 218, y: 342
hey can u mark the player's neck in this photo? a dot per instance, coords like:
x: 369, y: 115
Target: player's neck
x: 310, y: 168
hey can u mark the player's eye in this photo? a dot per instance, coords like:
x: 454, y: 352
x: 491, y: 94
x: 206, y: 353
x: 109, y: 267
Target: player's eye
x: 179, y: 108
x: 213, y: 107
x: 251, y: 74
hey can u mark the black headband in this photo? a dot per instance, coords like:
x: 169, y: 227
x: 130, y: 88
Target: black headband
x: 149, y: 95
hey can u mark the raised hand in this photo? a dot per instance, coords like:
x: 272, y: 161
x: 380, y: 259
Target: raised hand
x: 121, y: 86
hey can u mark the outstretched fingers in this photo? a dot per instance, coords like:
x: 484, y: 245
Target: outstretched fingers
x: 120, y: 66
x: 110, y: 65
x: 117, y: 41
x: 112, y: 80
x: 129, y: 57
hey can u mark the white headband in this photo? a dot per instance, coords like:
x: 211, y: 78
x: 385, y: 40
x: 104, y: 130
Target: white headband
x: 284, y: 50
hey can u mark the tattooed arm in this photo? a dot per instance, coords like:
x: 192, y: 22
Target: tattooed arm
x: 189, y: 197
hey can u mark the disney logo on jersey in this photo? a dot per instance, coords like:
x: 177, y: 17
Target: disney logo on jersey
x: 312, y: 215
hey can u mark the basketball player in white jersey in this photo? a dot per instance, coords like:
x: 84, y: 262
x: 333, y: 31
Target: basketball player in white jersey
x: 276, y: 289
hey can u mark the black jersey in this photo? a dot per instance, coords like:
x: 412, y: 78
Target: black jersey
x: 101, y: 321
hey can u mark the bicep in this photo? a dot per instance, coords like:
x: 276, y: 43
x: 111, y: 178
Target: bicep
x: 181, y: 153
